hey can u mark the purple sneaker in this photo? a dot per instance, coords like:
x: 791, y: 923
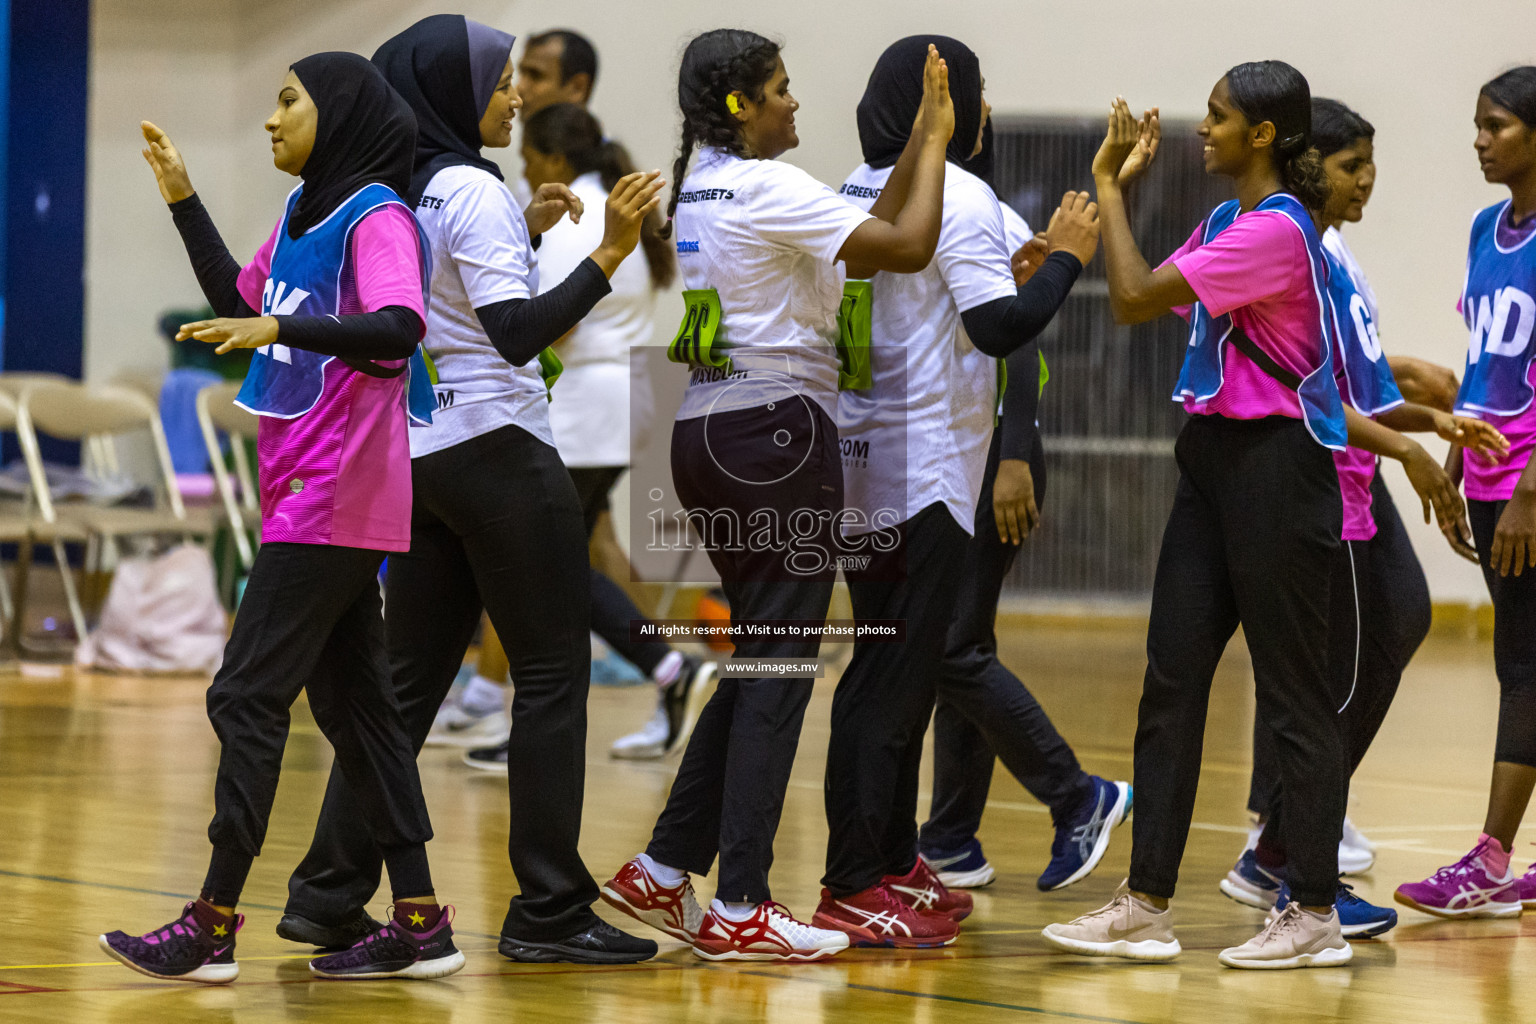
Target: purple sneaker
x: 179, y: 951
x: 1525, y: 885
x: 1465, y: 889
x: 395, y: 951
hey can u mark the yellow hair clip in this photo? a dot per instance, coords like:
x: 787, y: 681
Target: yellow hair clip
x: 732, y: 103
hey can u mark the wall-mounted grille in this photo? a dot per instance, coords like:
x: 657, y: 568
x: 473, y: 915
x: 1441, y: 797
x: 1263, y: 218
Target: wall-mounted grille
x: 1106, y: 417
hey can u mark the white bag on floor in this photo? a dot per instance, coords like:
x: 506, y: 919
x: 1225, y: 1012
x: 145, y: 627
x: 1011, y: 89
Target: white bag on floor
x: 162, y: 614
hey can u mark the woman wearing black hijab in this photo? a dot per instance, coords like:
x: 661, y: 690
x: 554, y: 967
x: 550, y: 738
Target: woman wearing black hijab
x: 340, y: 289
x: 496, y: 521
x: 921, y: 430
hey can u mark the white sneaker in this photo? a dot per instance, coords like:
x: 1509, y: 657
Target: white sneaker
x: 1356, y: 852
x: 455, y: 726
x: 769, y: 934
x: 1125, y: 927
x: 1295, y: 938
x: 646, y: 744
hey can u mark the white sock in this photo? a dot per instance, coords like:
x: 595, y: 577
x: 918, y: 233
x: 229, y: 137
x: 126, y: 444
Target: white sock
x: 667, y: 671
x: 733, y: 911
x: 668, y: 877
x: 481, y: 696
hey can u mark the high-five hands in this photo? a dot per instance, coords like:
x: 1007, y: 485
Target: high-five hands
x: 1074, y: 227
x: 164, y: 159
x: 1129, y: 146
x: 936, y: 114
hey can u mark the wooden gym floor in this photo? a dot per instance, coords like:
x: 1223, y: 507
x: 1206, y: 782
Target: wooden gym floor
x: 106, y: 793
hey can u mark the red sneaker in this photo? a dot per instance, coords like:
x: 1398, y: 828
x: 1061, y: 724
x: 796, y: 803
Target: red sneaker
x: 769, y: 934
x: 672, y: 909
x: 877, y: 917
x: 921, y: 889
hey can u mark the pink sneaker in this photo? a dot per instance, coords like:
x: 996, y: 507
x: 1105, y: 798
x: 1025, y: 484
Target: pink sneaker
x: 1465, y: 889
x: 1525, y: 885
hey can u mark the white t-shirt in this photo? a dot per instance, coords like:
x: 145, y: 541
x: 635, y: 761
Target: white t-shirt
x: 1333, y: 241
x: 919, y: 435
x: 589, y: 411
x: 480, y: 251
x: 765, y: 235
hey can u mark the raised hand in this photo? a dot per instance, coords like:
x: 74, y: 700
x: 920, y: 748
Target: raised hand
x: 1123, y: 135
x: 164, y: 159
x: 1149, y: 135
x: 936, y: 114
x: 1074, y: 227
x: 633, y: 197
x: 1029, y: 258
x: 551, y: 202
x: 231, y: 332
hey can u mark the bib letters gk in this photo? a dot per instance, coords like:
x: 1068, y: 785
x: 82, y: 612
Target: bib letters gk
x: 305, y: 279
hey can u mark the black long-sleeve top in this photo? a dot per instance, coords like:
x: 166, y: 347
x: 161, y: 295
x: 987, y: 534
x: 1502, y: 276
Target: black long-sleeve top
x: 385, y: 334
x: 1007, y: 329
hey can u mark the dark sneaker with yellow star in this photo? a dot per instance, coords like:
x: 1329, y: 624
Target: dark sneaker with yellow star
x: 416, y: 943
x: 197, y: 946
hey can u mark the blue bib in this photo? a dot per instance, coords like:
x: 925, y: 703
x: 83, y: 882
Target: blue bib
x: 1202, y: 374
x: 1364, y: 377
x: 305, y: 279
x: 1498, y: 306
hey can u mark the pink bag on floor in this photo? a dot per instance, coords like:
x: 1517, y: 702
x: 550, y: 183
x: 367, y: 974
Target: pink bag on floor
x: 162, y: 615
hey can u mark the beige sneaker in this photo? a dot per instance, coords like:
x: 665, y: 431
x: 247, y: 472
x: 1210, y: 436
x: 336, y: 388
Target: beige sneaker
x: 1295, y: 938
x: 1126, y: 927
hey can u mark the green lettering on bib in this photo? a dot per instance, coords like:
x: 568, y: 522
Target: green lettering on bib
x: 699, y: 334
x: 854, y: 326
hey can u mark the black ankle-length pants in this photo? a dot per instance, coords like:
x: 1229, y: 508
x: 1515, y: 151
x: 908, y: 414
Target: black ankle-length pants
x: 1250, y: 540
x: 310, y: 620
x: 737, y: 472
x: 883, y: 701
x: 984, y: 712
x: 1380, y: 614
x: 495, y: 525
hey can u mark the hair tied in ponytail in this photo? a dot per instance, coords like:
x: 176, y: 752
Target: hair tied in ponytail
x: 1293, y: 143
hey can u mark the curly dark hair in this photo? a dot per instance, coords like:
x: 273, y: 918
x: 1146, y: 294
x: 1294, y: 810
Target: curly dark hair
x: 716, y: 64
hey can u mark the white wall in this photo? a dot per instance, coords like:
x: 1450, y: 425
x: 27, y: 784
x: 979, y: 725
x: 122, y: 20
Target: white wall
x: 209, y: 71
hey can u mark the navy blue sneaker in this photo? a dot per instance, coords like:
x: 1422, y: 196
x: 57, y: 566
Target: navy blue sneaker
x: 1082, y: 839
x: 1357, y: 918
x: 1251, y: 885
x: 964, y: 867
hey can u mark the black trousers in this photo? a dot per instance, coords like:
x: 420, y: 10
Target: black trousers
x: 310, y: 620
x: 729, y: 468
x: 1380, y: 615
x: 1250, y: 540
x: 495, y: 525
x: 881, y: 707
x: 984, y: 712
x: 612, y: 610
x: 1514, y: 641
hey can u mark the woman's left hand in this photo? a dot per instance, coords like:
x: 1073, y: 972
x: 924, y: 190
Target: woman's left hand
x: 551, y: 202
x: 1514, y: 540
x: 230, y: 333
